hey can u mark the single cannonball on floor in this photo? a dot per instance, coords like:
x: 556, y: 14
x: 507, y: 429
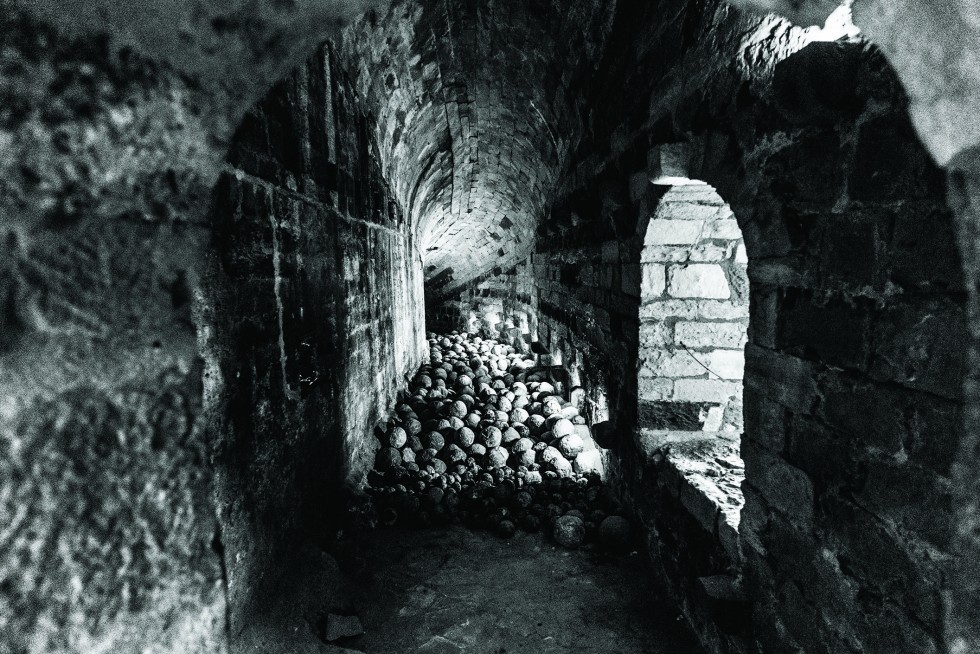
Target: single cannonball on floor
x: 465, y: 437
x: 615, y: 533
x: 434, y: 440
x: 454, y: 454
x: 571, y: 445
x: 387, y: 458
x: 397, y: 437
x: 562, y: 427
x: 491, y: 437
x: 506, y: 528
x: 497, y: 458
x: 388, y: 517
x: 569, y: 531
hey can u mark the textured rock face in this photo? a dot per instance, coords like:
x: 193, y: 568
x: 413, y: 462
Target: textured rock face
x: 107, y: 158
x: 108, y: 523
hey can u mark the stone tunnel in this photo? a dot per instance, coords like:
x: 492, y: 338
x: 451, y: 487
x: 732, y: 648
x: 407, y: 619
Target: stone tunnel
x: 490, y: 326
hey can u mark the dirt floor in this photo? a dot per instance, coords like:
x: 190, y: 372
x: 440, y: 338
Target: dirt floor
x: 458, y: 591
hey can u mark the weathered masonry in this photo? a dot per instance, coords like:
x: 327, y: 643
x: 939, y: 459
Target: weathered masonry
x: 741, y: 236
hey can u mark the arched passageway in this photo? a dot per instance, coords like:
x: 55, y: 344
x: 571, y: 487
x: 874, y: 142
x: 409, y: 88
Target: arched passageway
x: 196, y: 343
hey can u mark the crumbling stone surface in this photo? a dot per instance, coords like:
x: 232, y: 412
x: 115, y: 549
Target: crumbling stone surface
x: 112, y: 135
x: 104, y: 483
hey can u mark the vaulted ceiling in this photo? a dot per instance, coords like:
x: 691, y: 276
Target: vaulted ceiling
x: 478, y: 106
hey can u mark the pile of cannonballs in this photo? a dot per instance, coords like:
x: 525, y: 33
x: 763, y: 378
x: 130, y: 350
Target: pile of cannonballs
x: 482, y: 440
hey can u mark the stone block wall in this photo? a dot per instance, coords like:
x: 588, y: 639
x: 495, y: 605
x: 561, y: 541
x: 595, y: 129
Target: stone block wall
x: 854, y: 367
x: 694, y: 313
x: 312, y: 317
x: 855, y: 362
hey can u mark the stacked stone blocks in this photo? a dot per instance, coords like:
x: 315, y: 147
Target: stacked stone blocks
x: 693, y: 313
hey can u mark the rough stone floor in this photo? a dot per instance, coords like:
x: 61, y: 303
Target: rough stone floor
x: 458, y: 591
